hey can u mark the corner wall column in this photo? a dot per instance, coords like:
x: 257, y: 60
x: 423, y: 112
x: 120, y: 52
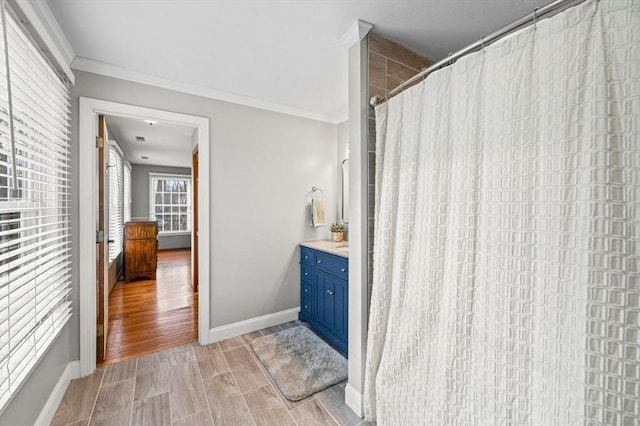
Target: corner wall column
x: 356, y: 42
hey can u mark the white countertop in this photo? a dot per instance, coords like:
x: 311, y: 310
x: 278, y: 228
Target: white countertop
x: 329, y: 247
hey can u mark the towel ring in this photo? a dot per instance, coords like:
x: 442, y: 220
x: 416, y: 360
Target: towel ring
x: 314, y: 189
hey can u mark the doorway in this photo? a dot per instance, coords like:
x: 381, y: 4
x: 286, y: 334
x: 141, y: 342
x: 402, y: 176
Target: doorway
x: 150, y: 192
x: 89, y: 110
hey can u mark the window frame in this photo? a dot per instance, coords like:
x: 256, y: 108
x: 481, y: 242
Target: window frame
x: 153, y: 177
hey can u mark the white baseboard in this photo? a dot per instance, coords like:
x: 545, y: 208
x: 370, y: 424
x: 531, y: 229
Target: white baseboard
x: 252, y: 324
x: 353, y: 399
x: 71, y: 371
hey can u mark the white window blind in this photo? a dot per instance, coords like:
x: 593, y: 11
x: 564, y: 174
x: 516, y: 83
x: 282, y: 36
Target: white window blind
x: 116, y: 201
x: 170, y: 202
x: 35, y: 235
x: 127, y: 192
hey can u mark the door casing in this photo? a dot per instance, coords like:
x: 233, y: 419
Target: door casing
x: 194, y: 223
x: 88, y: 110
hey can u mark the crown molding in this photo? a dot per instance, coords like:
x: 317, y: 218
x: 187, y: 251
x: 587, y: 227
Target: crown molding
x: 109, y: 70
x: 356, y: 32
x: 41, y: 19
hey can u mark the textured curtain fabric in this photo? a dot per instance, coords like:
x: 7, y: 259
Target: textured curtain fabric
x: 507, y: 233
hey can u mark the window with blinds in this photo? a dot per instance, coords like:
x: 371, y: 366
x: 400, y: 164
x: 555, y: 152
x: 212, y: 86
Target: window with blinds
x: 127, y: 192
x: 35, y: 234
x: 116, y: 201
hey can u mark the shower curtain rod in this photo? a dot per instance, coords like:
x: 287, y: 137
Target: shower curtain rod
x: 556, y: 6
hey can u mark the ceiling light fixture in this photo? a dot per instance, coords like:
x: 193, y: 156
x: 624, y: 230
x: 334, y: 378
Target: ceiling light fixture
x: 140, y: 139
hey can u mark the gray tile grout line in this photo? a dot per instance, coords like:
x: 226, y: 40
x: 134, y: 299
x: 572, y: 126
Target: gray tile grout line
x: 169, y: 390
x: 133, y: 391
x: 95, y: 400
x: 328, y: 411
x: 236, y: 382
x: 206, y: 396
x: 169, y: 394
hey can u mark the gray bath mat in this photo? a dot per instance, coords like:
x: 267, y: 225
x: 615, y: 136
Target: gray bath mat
x: 299, y: 362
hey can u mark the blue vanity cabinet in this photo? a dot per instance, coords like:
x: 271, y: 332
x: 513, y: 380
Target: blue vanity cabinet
x: 324, y: 294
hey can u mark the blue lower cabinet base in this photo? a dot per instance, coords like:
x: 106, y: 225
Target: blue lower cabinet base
x: 324, y: 295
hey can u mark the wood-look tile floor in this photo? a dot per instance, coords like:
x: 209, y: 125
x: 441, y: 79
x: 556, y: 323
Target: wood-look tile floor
x: 218, y: 384
x: 151, y: 315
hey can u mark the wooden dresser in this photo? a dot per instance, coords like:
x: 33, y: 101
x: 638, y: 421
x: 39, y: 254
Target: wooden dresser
x: 140, y: 249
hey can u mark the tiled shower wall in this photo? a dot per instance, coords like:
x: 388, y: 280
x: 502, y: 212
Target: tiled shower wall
x: 389, y: 65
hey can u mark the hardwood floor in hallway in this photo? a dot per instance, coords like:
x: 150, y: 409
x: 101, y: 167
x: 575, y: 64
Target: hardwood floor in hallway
x: 147, y: 316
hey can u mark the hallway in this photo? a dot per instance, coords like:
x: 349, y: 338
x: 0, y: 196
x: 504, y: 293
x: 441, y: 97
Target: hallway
x: 147, y: 316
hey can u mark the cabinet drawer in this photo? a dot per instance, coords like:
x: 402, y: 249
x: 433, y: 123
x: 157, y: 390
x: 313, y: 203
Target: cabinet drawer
x: 306, y: 308
x: 306, y: 300
x: 307, y: 290
x: 306, y: 256
x: 140, y: 230
x: 336, y: 265
x: 306, y: 272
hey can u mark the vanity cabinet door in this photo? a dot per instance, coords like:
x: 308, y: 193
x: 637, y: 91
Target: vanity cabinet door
x: 331, y: 308
x: 326, y: 300
x: 341, y: 303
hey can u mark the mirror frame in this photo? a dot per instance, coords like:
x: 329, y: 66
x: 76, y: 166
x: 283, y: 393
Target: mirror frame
x: 345, y: 190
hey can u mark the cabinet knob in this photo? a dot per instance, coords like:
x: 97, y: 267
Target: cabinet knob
x: 306, y: 290
x: 306, y: 306
x: 343, y: 269
x: 330, y: 292
x: 306, y: 273
x: 319, y: 261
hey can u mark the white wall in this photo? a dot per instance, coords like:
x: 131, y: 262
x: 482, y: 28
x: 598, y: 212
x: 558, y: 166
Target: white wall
x: 263, y: 165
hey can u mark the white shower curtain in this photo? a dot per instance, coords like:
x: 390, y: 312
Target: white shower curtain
x: 506, y: 283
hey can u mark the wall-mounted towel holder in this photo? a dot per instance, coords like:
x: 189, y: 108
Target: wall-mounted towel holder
x: 316, y: 208
x: 315, y: 189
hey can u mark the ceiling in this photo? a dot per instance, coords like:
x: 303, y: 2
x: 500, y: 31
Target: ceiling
x: 280, y: 55
x: 164, y: 145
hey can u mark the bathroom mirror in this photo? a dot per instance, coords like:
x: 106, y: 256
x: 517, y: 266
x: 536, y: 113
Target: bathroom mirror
x: 345, y: 191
